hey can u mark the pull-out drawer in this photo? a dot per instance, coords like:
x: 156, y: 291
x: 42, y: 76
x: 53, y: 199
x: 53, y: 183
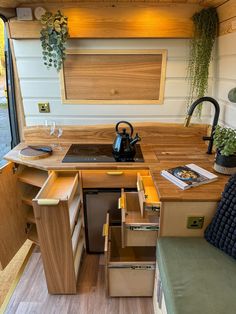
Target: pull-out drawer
x: 129, y: 271
x: 111, y: 178
x: 147, y: 193
x: 60, y: 186
x: 137, y: 230
x: 59, y: 224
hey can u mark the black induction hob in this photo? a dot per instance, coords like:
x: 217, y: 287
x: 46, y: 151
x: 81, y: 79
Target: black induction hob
x: 96, y: 153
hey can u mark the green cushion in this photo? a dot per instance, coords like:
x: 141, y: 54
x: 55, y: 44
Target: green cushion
x: 197, y: 278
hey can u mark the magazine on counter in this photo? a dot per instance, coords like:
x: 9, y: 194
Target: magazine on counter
x: 188, y: 176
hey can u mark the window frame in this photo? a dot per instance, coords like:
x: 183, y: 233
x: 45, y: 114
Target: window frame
x: 10, y: 86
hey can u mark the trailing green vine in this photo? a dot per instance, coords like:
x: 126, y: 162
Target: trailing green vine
x: 205, y: 32
x: 54, y: 35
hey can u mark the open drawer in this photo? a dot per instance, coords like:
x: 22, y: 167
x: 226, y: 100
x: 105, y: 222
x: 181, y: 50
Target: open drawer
x: 60, y: 186
x: 147, y: 193
x: 129, y: 271
x: 136, y: 230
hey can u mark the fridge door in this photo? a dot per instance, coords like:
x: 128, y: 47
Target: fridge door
x: 97, y: 204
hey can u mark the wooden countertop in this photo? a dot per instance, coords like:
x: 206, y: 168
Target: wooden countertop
x: 163, y: 146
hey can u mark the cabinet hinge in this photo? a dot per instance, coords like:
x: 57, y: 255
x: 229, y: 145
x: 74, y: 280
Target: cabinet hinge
x: 27, y: 228
x: 14, y: 169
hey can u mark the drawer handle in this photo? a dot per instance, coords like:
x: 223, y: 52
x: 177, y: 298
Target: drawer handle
x: 140, y: 185
x: 143, y: 228
x: 115, y: 173
x: 121, y: 203
x: 105, y: 230
x: 45, y: 201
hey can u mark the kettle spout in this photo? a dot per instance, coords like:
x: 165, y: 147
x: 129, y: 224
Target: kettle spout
x: 135, y: 140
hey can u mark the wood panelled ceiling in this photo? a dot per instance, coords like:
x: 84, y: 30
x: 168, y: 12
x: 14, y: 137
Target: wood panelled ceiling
x: 16, y: 3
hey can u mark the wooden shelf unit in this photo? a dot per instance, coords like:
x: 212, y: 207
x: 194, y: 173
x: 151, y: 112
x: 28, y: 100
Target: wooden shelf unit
x: 30, y: 180
x: 28, y: 193
x: 60, y: 231
x: 32, y: 176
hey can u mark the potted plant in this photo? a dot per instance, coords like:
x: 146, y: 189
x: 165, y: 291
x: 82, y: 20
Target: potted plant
x: 225, y: 144
x: 54, y: 35
x: 205, y: 33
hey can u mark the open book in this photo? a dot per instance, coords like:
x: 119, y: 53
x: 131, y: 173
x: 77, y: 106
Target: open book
x: 188, y: 176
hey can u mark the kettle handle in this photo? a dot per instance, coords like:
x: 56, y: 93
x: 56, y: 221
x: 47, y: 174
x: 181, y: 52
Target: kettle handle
x: 129, y: 124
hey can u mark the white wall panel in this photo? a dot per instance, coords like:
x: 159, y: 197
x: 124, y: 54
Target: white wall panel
x: 38, y: 84
x: 226, y: 78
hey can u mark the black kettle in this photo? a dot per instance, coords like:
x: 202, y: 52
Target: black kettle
x: 124, y: 145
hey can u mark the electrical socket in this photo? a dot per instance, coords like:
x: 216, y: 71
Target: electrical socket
x: 44, y: 107
x: 195, y: 222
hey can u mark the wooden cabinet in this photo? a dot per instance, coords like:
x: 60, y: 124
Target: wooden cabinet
x: 18, y: 186
x: 13, y: 219
x: 130, y: 270
x: 59, y: 222
x: 130, y: 248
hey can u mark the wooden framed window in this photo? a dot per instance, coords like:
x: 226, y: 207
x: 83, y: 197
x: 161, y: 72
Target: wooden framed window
x: 114, y: 77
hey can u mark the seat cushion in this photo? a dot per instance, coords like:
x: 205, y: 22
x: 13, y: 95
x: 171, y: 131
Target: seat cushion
x: 197, y: 278
x: 222, y: 230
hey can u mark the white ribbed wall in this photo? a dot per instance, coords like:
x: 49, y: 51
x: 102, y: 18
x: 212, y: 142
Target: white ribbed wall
x: 41, y: 85
x: 226, y: 78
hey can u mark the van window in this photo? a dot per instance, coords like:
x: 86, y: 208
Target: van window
x: 9, y: 135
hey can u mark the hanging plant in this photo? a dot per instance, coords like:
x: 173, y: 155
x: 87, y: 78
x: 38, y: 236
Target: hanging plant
x: 205, y: 32
x: 54, y: 35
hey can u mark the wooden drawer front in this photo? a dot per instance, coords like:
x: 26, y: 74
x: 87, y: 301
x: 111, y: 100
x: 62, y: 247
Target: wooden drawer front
x: 140, y: 238
x: 147, y: 193
x: 59, y: 186
x: 137, y: 230
x: 130, y: 271
x: 79, y: 252
x: 76, y: 233
x: 110, y: 178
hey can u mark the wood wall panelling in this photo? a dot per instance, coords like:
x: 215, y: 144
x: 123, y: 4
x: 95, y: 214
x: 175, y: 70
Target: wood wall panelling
x: 227, y: 17
x: 16, y: 3
x: 121, y: 21
x: 114, y: 76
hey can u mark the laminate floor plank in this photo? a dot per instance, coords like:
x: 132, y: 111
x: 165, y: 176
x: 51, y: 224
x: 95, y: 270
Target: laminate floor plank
x: 31, y: 296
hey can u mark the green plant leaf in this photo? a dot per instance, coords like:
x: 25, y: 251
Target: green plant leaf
x: 54, y: 34
x: 205, y: 33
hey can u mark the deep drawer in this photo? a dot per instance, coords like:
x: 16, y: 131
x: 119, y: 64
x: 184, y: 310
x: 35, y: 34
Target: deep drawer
x: 129, y: 271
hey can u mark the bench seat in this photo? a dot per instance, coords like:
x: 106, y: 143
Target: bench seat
x: 196, y: 277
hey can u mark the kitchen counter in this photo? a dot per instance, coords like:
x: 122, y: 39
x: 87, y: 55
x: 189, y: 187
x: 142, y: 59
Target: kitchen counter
x: 163, y: 146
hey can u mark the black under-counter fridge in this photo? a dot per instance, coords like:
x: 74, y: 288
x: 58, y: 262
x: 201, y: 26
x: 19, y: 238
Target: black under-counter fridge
x: 97, y: 202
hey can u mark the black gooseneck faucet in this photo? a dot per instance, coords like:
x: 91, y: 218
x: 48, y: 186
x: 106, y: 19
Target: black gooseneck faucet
x: 215, y: 121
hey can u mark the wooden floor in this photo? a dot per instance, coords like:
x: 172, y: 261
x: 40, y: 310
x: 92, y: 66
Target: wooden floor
x: 31, y: 295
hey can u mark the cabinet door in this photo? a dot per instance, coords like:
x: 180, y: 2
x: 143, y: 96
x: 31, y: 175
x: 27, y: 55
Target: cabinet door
x: 12, y: 219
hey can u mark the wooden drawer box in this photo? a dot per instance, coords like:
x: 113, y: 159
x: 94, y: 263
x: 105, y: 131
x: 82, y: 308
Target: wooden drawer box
x: 111, y: 178
x: 147, y: 193
x: 137, y: 230
x: 129, y: 271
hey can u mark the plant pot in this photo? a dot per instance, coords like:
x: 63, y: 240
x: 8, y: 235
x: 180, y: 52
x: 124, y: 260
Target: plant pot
x: 225, y: 164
